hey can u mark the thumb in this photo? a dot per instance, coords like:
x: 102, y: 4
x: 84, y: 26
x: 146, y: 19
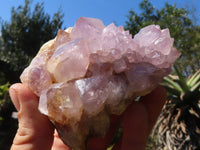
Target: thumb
x: 35, y: 131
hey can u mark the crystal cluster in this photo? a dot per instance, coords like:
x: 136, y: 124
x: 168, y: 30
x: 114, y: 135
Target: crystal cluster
x: 91, y: 71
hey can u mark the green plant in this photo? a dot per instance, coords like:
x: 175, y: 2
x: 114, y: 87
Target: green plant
x: 8, y: 125
x: 22, y: 36
x: 3, y: 94
x: 182, y: 27
x: 3, y: 90
x: 178, y: 127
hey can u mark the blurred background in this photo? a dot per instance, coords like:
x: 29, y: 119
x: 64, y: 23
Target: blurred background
x: 27, y: 24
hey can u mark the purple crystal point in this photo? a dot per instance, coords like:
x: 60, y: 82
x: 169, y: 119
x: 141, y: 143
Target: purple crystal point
x: 91, y: 71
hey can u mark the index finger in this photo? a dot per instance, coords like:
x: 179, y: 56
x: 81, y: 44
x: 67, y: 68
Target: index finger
x: 153, y: 103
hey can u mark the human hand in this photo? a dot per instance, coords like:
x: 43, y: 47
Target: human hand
x: 37, y: 133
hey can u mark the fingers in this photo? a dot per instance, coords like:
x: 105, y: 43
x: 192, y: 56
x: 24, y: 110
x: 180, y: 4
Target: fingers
x: 35, y: 131
x: 58, y: 143
x: 134, y: 127
x: 103, y: 143
x: 153, y: 103
x: 140, y: 118
x: 14, y: 96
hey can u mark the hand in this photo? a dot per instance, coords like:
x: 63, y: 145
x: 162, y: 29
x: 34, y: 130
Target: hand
x: 37, y: 133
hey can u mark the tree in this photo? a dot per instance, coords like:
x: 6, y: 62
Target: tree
x: 23, y: 36
x: 178, y: 126
x: 20, y: 40
x: 8, y: 125
x: 185, y: 32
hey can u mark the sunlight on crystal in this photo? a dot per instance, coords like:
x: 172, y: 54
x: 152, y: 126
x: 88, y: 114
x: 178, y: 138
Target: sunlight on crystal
x: 91, y: 71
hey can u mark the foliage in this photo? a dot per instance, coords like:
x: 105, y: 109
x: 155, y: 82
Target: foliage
x: 23, y: 36
x: 152, y: 142
x: 3, y: 90
x: 7, y: 123
x: 182, y: 28
x: 20, y: 39
x: 179, y: 124
x: 116, y: 138
x: 3, y: 97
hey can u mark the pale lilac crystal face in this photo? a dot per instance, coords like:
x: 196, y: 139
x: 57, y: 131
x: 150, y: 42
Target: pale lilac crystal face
x: 70, y: 57
x: 87, y: 73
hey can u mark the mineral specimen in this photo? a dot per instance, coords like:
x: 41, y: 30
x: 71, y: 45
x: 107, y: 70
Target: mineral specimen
x: 91, y: 71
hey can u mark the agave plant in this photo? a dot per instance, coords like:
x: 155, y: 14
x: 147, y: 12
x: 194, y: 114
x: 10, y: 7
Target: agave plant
x: 178, y: 127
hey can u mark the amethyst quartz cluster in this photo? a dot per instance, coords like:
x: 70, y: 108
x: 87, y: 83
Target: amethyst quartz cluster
x: 91, y: 71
